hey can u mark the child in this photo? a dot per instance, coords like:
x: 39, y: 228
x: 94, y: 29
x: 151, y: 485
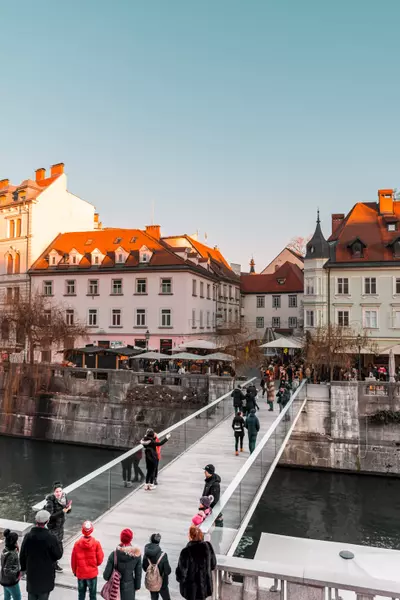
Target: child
x: 10, y: 567
x: 87, y: 556
x: 204, y: 510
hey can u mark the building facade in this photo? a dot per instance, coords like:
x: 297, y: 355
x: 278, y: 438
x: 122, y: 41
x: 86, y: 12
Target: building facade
x: 286, y: 255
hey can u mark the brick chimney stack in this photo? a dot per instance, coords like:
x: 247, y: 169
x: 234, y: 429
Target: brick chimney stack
x: 154, y: 231
x: 385, y: 199
x: 336, y: 221
x: 40, y: 174
x: 4, y: 183
x: 57, y: 169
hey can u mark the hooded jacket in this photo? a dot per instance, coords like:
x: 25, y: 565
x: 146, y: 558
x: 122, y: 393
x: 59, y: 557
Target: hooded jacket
x: 238, y: 398
x: 212, y: 488
x: 194, y: 571
x: 152, y: 553
x: 150, y: 447
x: 252, y: 424
x: 40, y: 551
x: 87, y: 555
x: 251, y: 401
x: 129, y: 564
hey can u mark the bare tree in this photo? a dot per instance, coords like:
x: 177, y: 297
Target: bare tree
x: 299, y: 244
x: 38, y: 323
x: 240, y: 343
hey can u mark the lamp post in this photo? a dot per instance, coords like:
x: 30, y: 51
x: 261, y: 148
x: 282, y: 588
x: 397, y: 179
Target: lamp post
x: 359, y: 355
x: 147, y: 336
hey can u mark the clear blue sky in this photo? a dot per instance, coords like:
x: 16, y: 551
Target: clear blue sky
x: 237, y: 118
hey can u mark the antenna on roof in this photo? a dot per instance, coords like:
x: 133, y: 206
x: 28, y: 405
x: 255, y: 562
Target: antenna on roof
x: 152, y: 212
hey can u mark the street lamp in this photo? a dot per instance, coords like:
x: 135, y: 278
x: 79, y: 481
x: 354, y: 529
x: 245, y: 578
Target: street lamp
x: 147, y: 336
x: 359, y: 355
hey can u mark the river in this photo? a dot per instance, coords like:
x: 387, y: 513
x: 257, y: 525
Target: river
x: 326, y: 506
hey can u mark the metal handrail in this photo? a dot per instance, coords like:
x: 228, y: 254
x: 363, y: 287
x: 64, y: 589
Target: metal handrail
x: 237, y: 480
x: 73, y: 486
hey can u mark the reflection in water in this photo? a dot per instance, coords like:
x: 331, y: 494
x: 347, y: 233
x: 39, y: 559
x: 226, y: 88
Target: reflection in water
x: 358, y: 509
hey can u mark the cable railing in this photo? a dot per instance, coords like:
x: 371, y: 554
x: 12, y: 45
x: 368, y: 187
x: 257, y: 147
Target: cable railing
x: 98, y: 491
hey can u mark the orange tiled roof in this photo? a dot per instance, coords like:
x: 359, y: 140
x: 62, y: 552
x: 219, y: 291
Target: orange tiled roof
x: 26, y: 191
x: 289, y: 273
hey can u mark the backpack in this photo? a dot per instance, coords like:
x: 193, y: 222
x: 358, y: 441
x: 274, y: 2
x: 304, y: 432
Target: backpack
x: 153, y: 580
x: 111, y: 590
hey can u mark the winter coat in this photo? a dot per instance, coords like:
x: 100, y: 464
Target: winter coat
x: 271, y: 390
x: 40, y: 551
x: 238, y: 398
x: 10, y: 568
x: 238, y: 425
x: 283, y: 396
x: 250, y: 402
x: 129, y: 564
x: 152, y: 553
x: 57, y: 515
x: 212, y: 488
x: 252, y: 390
x: 252, y: 424
x: 194, y: 571
x: 150, y: 448
x: 87, y: 555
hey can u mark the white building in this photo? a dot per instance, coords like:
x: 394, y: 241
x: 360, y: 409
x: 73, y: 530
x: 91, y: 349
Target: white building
x: 126, y: 283
x: 286, y: 255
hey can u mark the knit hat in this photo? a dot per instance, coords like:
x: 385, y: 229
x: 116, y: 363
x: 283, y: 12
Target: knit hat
x: 87, y: 528
x: 210, y: 469
x: 206, y: 501
x: 126, y: 536
x: 42, y: 517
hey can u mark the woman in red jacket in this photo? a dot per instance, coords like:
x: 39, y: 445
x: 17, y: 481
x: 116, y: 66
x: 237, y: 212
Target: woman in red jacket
x: 87, y: 556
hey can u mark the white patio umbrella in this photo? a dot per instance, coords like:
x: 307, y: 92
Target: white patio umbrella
x: 153, y: 356
x: 187, y: 356
x: 392, y: 367
x: 282, y: 343
x: 198, y: 344
x: 220, y: 356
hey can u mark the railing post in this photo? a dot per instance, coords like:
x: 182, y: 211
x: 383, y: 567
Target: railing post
x: 109, y: 488
x: 296, y: 591
x: 250, y: 588
x: 365, y: 597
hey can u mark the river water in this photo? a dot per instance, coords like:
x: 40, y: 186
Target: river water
x: 327, y: 506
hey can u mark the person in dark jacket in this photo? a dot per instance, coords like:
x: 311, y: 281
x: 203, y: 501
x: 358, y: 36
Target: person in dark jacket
x: 150, y: 445
x: 238, y: 431
x: 129, y: 565
x: 251, y: 402
x: 253, y: 390
x: 58, y: 505
x: 196, y: 563
x: 253, y: 427
x: 39, y: 554
x: 152, y: 553
x: 283, y: 397
x: 10, y: 568
x: 127, y: 471
x: 238, y: 398
x: 212, y: 484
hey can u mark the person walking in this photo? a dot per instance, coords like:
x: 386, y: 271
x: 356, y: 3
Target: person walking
x: 40, y: 551
x: 270, y: 392
x: 238, y: 425
x: 238, y: 397
x: 262, y: 385
x: 154, y: 557
x: 10, y: 572
x: 127, y: 560
x: 87, y: 555
x: 127, y: 471
x: 137, y: 457
x: 283, y: 396
x: 212, y: 485
x: 251, y: 402
x: 150, y: 448
x: 58, y: 505
x: 195, y: 565
x: 253, y: 427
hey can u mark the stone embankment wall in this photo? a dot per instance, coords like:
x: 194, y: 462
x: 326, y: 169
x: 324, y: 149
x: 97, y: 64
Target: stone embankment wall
x: 98, y: 407
x: 336, y: 430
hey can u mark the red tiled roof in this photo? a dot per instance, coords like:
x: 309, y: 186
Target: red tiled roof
x: 31, y: 189
x: 269, y: 283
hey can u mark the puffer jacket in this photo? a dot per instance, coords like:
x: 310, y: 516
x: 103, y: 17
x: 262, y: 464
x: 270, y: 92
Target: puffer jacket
x: 87, y: 555
x: 129, y: 564
x: 152, y: 553
x: 57, y: 515
x: 10, y: 568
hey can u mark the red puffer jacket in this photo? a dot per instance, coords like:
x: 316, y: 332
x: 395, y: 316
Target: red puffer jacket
x: 87, y: 556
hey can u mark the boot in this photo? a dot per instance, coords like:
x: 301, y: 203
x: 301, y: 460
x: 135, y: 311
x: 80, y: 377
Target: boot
x: 237, y: 453
x: 125, y: 484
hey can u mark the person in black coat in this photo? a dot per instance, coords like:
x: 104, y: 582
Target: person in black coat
x: 150, y: 445
x: 39, y: 554
x: 251, y: 402
x: 152, y: 553
x: 58, y: 505
x: 212, y: 484
x: 194, y: 571
x: 238, y: 430
x: 129, y: 564
x: 238, y: 398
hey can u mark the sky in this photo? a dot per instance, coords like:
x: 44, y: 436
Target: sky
x: 233, y: 118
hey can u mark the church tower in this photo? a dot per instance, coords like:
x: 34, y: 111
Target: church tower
x: 316, y: 280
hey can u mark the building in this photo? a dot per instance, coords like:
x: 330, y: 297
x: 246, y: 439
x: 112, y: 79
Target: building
x: 273, y: 301
x: 133, y: 286
x: 31, y: 215
x: 353, y: 278
x: 286, y: 255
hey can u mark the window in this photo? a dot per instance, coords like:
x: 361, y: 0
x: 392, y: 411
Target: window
x: 70, y: 287
x: 370, y: 285
x: 309, y: 318
x: 208, y: 291
x: 342, y: 285
x: 93, y: 317
x: 236, y: 315
x: 89, y: 242
x: 9, y: 295
x: 225, y: 315
x: 309, y: 286
x: 47, y: 288
x: 260, y: 322
x: 117, y: 240
x: 96, y: 259
x: 208, y: 318
x: 116, y: 287
x: 343, y: 318
x: 19, y: 227
x: 116, y: 317
x: 53, y: 260
x: 260, y: 301
x: 230, y: 293
x: 292, y: 301
x: 357, y: 249
x: 214, y: 292
x: 396, y: 319
x: 396, y: 248
x: 166, y: 315
x: 276, y: 301
x: 12, y: 229
x: 371, y: 319
x: 10, y: 264
x: 201, y: 320
x: 47, y: 316
x: 193, y: 319
x: 292, y: 323
x: 391, y: 227
x: 16, y: 295
x: 141, y: 317
x: 194, y: 287
x: 237, y: 294
x: 120, y: 258
x: 229, y: 315
x: 73, y: 259
x: 166, y: 287
x: 201, y: 289
x: 5, y: 329
x: 276, y: 322
x: 225, y: 291
x: 141, y: 286
x: 69, y: 316
x: 17, y: 263
x: 93, y: 287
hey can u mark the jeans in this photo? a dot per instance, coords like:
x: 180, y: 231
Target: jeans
x: 164, y: 593
x: 252, y: 443
x: 44, y: 596
x: 239, y: 436
x: 12, y: 593
x: 83, y: 585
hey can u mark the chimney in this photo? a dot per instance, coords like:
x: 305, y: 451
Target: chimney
x: 336, y: 221
x: 57, y: 169
x: 252, y: 267
x: 385, y: 198
x: 4, y: 183
x: 40, y: 174
x: 154, y: 231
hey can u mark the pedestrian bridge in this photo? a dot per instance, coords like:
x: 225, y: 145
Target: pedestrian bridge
x: 204, y: 437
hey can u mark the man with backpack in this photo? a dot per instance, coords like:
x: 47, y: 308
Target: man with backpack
x: 157, y: 569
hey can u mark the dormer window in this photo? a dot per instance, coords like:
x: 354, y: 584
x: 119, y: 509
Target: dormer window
x: 54, y: 258
x: 281, y: 281
x: 97, y: 257
x: 391, y: 226
x: 117, y: 240
x: 357, y: 248
x: 144, y: 254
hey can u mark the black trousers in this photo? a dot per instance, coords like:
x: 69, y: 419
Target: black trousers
x: 138, y: 471
x: 238, y: 436
x: 126, y: 470
x: 156, y: 471
x: 164, y: 593
x: 151, y: 466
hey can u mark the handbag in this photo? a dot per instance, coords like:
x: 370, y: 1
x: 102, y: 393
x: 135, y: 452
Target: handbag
x: 111, y: 589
